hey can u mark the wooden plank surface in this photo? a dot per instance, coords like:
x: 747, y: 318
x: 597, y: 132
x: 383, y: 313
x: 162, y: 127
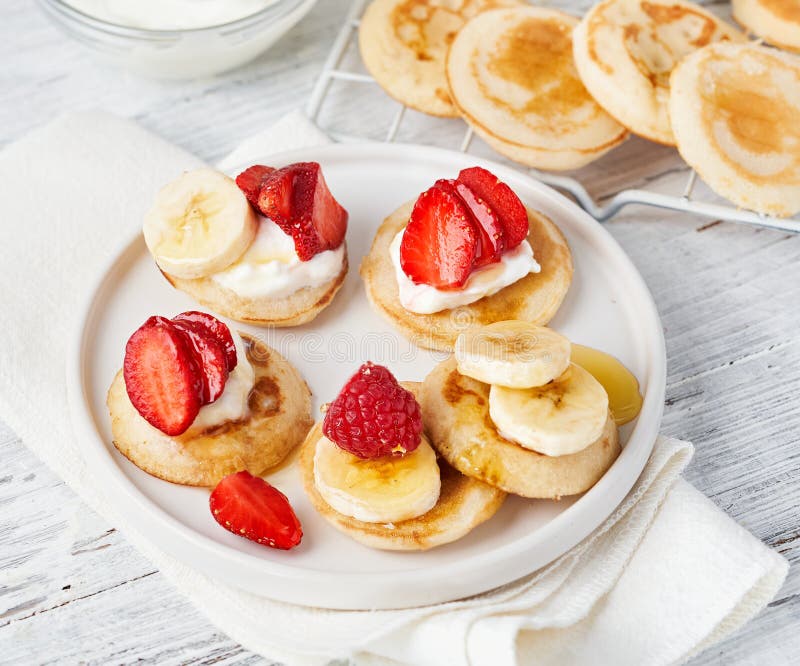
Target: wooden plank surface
x: 72, y: 590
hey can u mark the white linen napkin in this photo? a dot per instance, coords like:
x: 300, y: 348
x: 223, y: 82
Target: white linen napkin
x: 666, y: 576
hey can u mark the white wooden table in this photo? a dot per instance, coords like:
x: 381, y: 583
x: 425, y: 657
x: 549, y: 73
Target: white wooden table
x: 72, y: 589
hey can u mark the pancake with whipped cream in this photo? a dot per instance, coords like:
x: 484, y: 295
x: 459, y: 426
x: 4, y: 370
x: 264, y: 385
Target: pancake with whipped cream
x: 266, y: 249
x: 269, y: 285
x: 625, y: 51
x: 735, y: 111
x: 403, y: 45
x: 528, y: 281
x: 262, y: 415
x: 775, y: 21
x: 412, y: 501
x: 512, y: 76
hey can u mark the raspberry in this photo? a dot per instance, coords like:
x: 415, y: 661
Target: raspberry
x: 373, y: 415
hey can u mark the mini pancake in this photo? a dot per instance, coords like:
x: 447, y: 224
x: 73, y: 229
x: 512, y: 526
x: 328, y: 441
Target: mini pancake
x: 775, y: 21
x: 625, y: 50
x: 297, y: 308
x: 455, y: 410
x: 464, y: 503
x: 403, y: 45
x: 280, y: 416
x: 512, y: 76
x: 534, y: 298
x: 735, y: 111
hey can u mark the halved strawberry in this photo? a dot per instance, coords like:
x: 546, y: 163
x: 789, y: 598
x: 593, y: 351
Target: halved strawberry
x: 440, y: 242
x: 216, y: 328
x: 490, y: 233
x: 210, y: 357
x: 298, y: 200
x: 161, y: 376
x: 251, y: 508
x: 501, y: 198
x: 251, y: 180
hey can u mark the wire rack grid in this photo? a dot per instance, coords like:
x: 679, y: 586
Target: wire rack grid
x: 332, y: 72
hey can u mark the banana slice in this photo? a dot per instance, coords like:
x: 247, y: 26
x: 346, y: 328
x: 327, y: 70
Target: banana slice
x: 381, y: 490
x: 199, y: 224
x: 514, y: 354
x: 560, y: 418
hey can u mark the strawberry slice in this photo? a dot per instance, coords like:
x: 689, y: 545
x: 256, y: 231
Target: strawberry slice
x: 161, y: 376
x: 217, y: 329
x: 275, y: 197
x: 250, y: 507
x: 440, y: 242
x: 251, y: 180
x: 210, y: 358
x: 490, y: 233
x: 506, y: 205
x: 298, y: 200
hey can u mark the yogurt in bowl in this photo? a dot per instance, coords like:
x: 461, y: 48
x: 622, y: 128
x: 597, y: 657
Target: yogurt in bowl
x: 177, y: 39
x: 169, y: 14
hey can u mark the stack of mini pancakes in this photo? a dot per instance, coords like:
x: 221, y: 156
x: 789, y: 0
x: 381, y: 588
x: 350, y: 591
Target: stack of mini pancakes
x: 553, y: 92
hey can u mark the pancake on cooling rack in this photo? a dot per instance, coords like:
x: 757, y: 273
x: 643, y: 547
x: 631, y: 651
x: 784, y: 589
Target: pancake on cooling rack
x: 513, y: 409
x: 735, y: 111
x: 195, y: 401
x: 775, y: 21
x: 512, y: 76
x: 403, y: 44
x: 466, y: 253
x: 266, y: 249
x: 625, y: 50
x: 378, y: 480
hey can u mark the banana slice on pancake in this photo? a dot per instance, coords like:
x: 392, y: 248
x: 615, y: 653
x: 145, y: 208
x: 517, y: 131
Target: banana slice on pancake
x: 377, y: 490
x: 512, y: 76
x: 625, y: 51
x: 775, y: 21
x: 557, y: 419
x: 735, y: 110
x: 199, y: 224
x: 514, y: 354
x: 403, y: 44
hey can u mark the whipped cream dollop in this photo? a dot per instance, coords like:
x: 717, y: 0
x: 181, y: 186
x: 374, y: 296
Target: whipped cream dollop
x: 425, y: 299
x: 169, y: 14
x: 270, y: 267
x: 232, y: 404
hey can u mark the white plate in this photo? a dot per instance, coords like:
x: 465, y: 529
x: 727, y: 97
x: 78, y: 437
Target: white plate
x: 608, y: 307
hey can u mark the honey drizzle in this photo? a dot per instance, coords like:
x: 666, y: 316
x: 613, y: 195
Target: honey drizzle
x: 624, y: 396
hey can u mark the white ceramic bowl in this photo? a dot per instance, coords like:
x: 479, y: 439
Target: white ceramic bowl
x: 180, y: 54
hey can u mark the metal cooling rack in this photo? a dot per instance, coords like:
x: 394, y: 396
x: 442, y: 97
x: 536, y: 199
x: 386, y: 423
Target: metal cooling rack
x: 333, y: 72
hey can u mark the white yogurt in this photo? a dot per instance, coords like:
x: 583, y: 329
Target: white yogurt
x: 271, y: 268
x: 232, y: 404
x: 425, y: 299
x: 169, y: 14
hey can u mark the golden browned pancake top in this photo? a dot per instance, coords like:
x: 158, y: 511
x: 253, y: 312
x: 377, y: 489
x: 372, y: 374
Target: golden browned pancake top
x: 757, y: 116
x: 427, y: 27
x: 657, y: 45
x: 536, y: 55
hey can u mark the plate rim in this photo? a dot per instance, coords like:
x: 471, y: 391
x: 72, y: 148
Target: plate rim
x: 174, y: 536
